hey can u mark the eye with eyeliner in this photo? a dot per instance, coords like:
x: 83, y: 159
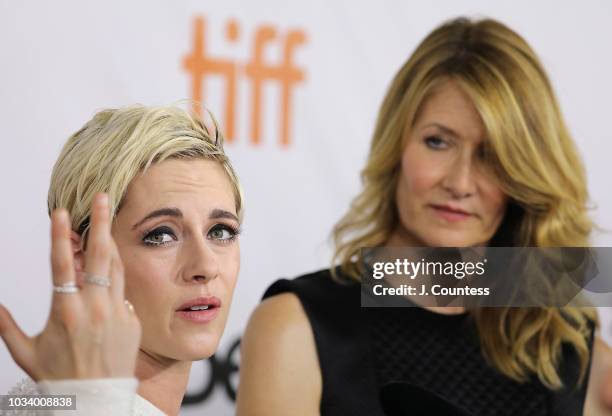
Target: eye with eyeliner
x: 222, y: 233
x: 155, y: 233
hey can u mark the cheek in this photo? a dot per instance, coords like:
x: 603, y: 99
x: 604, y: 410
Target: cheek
x: 419, y: 175
x: 495, y: 202
x: 146, y: 275
x: 230, y: 266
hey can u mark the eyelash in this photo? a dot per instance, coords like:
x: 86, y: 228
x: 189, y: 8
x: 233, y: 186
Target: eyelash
x: 429, y: 139
x: 234, y: 232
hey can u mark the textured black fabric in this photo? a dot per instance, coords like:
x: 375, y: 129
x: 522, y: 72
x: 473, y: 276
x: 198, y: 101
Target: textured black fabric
x: 363, y: 350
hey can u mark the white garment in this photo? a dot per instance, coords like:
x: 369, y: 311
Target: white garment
x: 94, y: 397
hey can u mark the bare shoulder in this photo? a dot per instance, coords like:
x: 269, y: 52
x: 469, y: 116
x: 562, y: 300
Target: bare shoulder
x: 279, y: 314
x: 279, y: 370
x: 599, y: 388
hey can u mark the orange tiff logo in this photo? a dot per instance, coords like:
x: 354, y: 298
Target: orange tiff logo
x: 200, y: 65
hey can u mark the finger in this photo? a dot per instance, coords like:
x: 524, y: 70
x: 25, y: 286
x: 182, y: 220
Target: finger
x: 18, y: 343
x: 62, y: 257
x: 99, y: 250
x: 117, y: 275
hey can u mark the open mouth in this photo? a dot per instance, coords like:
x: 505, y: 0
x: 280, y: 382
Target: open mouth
x: 200, y: 309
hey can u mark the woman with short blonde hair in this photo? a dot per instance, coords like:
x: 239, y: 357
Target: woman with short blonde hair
x: 146, y: 211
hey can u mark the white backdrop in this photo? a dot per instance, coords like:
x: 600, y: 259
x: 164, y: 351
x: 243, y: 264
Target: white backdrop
x: 62, y: 61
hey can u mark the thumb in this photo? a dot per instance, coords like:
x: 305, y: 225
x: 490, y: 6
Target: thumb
x: 18, y: 343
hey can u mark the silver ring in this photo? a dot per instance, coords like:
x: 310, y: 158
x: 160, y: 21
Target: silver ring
x: 129, y: 305
x: 70, y: 287
x: 97, y: 280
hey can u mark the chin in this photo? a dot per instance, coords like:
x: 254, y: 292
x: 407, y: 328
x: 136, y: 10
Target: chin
x: 194, y: 347
x: 196, y: 352
x: 445, y: 238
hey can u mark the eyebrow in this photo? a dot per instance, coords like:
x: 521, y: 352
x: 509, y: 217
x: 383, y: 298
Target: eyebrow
x: 221, y: 213
x: 177, y: 213
x: 445, y: 129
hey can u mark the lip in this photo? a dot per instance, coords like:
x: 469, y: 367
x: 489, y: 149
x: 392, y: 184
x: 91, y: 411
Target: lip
x: 450, y: 213
x: 199, y: 316
x: 203, y: 316
x: 207, y: 300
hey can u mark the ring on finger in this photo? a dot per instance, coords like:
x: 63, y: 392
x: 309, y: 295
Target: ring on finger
x: 97, y: 280
x: 70, y: 287
x: 129, y: 305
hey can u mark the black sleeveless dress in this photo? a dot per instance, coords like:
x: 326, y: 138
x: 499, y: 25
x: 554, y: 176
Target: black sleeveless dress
x: 414, y: 359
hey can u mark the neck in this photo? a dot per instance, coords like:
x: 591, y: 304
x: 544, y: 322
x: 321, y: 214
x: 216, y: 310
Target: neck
x: 402, y: 238
x: 163, y: 381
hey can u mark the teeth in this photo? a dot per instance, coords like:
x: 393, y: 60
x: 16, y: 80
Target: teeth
x: 199, y: 308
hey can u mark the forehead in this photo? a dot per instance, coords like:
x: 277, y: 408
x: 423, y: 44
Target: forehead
x: 181, y: 182
x: 449, y: 106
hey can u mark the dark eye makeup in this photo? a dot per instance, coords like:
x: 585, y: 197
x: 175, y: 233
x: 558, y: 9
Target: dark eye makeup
x: 160, y: 236
x: 223, y: 232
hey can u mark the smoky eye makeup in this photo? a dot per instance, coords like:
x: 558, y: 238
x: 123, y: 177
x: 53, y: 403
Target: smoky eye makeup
x: 158, y: 236
x: 223, y: 233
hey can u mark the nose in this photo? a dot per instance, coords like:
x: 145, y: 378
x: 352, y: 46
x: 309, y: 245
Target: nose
x: 201, y: 262
x: 459, y: 180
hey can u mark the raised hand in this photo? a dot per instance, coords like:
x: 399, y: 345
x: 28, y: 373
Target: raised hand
x: 92, y: 332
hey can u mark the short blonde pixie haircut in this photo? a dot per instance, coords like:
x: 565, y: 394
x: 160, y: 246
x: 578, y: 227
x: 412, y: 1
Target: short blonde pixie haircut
x: 116, y: 145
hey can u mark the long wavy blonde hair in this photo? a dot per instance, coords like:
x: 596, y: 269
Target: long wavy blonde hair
x: 533, y: 156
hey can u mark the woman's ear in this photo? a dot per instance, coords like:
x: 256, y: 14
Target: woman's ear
x: 78, y: 254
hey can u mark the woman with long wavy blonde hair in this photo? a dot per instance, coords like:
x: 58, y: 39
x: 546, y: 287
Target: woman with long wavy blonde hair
x: 470, y: 149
